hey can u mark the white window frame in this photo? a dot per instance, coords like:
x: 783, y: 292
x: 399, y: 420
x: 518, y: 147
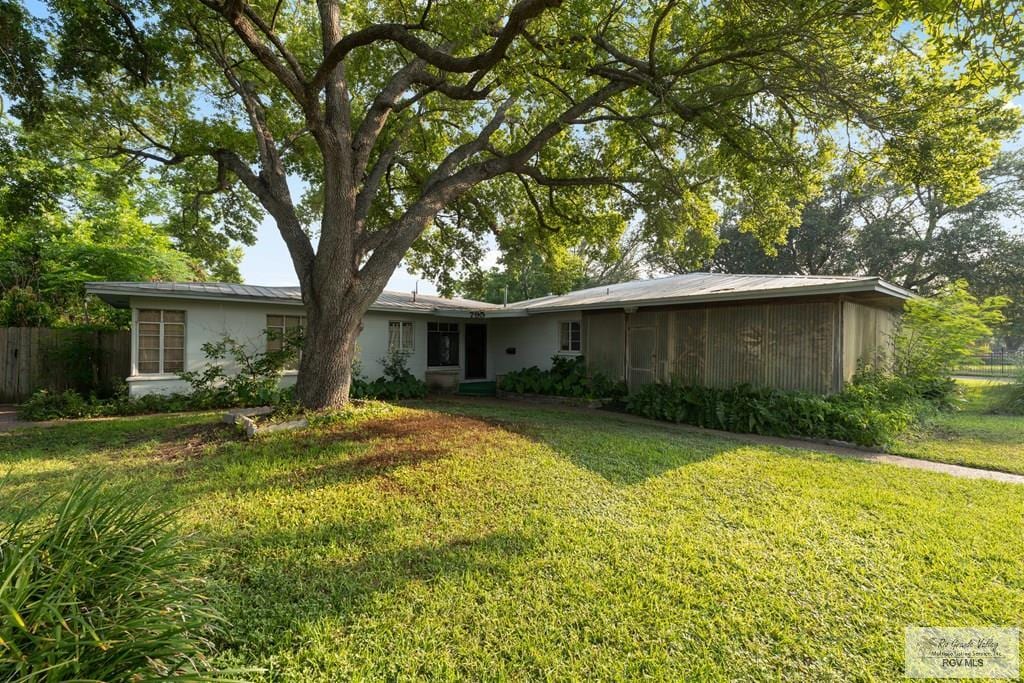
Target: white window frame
x: 558, y: 341
x: 136, y: 360
x: 284, y: 330
x: 406, y: 336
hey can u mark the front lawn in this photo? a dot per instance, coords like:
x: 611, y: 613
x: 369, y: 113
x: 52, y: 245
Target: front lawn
x: 972, y: 436
x: 490, y: 541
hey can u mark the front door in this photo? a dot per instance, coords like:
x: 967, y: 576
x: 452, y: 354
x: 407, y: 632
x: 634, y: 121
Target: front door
x: 476, y: 351
x: 641, y: 356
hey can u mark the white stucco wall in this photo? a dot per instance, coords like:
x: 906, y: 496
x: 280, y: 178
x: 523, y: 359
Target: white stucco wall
x: 535, y: 339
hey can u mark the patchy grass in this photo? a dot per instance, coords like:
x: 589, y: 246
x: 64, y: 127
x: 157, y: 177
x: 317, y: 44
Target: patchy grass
x: 973, y: 436
x: 488, y: 541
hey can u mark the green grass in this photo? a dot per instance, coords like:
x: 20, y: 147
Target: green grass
x: 485, y: 541
x: 973, y: 435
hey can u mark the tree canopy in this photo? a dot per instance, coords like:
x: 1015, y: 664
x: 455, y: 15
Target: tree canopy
x: 905, y: 233
x: 366, y: 129
x: 64, y: 222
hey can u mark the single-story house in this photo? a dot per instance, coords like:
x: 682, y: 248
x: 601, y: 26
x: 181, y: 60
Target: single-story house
x: 791, y: 332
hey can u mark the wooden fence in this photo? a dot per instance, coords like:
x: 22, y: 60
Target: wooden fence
x: 33, y: 358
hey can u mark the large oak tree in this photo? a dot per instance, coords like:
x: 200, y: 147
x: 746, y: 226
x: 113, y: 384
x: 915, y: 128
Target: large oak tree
x: 360, y: 127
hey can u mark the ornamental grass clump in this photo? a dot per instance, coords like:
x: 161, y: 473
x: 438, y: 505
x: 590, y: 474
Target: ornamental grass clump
x: 100, y: 590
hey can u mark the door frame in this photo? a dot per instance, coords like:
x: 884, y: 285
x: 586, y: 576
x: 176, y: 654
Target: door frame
x: 653, y: 329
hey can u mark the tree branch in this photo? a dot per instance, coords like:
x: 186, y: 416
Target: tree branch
x: 278, y: 206
x: 240, y: 19
x: 522, y: 12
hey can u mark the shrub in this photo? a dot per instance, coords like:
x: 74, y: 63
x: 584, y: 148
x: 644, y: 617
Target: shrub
x: 100, y: 591
x: 23, y: 307
x: 46, y: 405
x: 256, y: 379
x: 937, y: 334
x: 211, y: 387
x: 1013, y: 404
x: 567, y: 377
x: 396, y: 383
x: 867, y: 413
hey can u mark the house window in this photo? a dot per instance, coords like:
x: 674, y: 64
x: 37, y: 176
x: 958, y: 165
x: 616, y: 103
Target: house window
x: 442, y: 344
x: 161, y: 342
x: 569, y: 336
x: 280, y: 328
x: 400, y: 337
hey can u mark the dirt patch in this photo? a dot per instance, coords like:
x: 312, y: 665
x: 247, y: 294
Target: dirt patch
x: 409, y: 440
x: 181, y: 443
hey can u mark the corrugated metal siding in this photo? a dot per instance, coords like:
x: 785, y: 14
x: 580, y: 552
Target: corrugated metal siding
x: 685, y: 343
x: 604, y: 343
x: 800, y: 352
x: 788, y: 345
x: 736, y: 345
x: 867, y: 336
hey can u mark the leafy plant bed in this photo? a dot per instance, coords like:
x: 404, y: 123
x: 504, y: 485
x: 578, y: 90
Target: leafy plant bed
x: 567, y: 377
x: 548, y: 399
x: 872, y: 411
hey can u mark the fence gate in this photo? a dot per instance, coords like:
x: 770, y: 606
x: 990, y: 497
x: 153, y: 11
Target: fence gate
x: 641, y: 352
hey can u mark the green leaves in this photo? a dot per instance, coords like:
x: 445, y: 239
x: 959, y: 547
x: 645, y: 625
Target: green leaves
x: 585, y: 120
x: 65, y: 220
x: 939, y: 332
x: 100, y: 590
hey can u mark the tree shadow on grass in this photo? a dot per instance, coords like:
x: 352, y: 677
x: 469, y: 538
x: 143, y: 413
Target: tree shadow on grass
x: 621, y: 451
x: 36, y: 463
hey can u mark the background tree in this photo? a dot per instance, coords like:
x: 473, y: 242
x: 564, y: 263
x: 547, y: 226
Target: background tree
x: 823, y: 244
x: 528, y: 269
x: 65, y: 223
x: 395, y: 119
x: 907, y: 234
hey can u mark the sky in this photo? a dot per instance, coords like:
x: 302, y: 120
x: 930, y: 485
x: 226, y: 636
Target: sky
x: 268, y: 263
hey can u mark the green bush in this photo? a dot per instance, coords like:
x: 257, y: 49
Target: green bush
x: 395, y: 384
x: 100, y: 591
x: 47, y: 405
x: 24, y: 307
x: 871, y: 412
x: 255, y: 382
x: 937, y: 334
x: 1013, y: 404
x: 567, y: 377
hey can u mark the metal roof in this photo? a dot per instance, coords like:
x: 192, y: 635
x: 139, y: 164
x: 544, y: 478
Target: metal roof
x: 677, y: 289
x: 705, y: 287
x: 118, y: 293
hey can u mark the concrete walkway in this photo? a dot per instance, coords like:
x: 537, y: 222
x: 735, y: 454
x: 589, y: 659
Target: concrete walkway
x: 9, y: 418
x: 832, y: 448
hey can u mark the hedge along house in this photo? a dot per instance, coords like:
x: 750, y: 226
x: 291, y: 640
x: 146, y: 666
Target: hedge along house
x: 807, y: 333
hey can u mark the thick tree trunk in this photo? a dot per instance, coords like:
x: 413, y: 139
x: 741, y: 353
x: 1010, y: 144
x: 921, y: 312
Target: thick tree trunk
x: 328, y: 350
